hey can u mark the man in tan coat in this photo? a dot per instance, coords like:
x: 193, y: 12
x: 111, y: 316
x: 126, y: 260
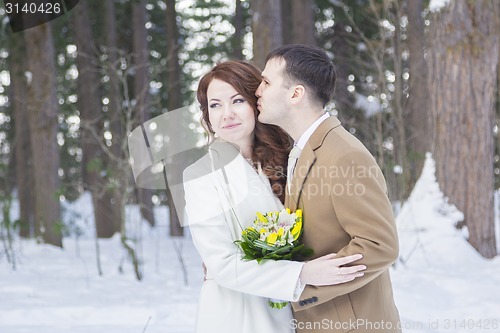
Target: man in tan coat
x: 341, y: 190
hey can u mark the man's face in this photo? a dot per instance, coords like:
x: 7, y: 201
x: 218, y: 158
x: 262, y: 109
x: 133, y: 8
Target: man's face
x: 273, y: 102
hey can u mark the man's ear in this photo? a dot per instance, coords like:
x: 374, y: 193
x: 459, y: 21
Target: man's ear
x: 298, y: 94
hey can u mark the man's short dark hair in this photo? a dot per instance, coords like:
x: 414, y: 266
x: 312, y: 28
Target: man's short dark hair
x: 310, y: 66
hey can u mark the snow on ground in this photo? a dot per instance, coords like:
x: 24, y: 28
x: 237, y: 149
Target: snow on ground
x: 56, y: 291
x: 440, y: 283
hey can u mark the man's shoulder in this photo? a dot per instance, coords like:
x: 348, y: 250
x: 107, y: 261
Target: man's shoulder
x: 332, y: 135
x: 339, y: 145
x: 339, y: 139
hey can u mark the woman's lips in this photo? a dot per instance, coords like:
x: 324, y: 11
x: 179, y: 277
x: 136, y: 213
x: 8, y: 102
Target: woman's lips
x: 231, y: 126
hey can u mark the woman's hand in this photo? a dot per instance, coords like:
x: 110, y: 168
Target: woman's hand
x: 327, y: 270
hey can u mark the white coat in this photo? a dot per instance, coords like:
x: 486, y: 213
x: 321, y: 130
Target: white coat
x: 223, y: 193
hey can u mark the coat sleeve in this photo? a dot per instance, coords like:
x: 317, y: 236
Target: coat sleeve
x: 365, y: 213
x: 209, y: 215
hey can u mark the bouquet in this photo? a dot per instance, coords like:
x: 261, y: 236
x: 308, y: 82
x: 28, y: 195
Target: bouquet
x: 274, y: 235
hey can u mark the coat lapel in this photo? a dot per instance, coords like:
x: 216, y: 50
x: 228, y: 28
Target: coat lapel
x: 306, y: 161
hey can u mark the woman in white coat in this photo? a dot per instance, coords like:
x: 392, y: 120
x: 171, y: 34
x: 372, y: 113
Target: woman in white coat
x: 244, y: 172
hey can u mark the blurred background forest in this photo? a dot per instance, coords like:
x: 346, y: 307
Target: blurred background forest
x: 414, y: 76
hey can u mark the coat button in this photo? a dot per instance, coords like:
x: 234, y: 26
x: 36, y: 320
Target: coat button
x: 314, y: 299
x: 302, y: 303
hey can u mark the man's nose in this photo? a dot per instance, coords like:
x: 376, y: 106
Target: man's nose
x: 257, y: 92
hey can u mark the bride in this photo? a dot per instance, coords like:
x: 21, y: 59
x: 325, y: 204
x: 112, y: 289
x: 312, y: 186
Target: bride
x: 243, y: 173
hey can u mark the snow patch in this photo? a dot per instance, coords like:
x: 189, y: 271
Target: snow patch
x: 437, y: 5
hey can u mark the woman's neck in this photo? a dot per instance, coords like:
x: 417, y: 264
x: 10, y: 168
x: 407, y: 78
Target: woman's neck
x: 246, y: 151
x: 246, y: 147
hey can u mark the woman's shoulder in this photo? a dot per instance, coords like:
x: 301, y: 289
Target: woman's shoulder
x: 219, y: 155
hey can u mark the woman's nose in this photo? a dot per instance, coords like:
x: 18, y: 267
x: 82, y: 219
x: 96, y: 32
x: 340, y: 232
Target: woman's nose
x: 228, y: 112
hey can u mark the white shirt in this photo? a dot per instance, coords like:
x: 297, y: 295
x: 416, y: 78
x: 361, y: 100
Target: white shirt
x: 301, y: 143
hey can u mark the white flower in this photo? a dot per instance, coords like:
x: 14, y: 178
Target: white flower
x: 286, y: 218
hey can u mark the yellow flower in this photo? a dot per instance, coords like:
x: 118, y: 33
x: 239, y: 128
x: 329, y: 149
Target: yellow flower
x: 288, y: 210
x: 247, y: 230
x: 272, y: 238
x: 261, y: 218
x: 296, y: 230
x: 298, y: 212
x: 281, y: 231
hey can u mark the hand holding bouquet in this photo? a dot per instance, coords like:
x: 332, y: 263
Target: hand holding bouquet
x: 274, y: 235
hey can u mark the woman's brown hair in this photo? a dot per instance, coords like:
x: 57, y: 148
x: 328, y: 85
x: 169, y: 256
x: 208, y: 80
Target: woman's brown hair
x: 271, y: 144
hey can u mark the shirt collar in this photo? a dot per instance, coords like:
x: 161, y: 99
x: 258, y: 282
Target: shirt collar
x: 301, y: 143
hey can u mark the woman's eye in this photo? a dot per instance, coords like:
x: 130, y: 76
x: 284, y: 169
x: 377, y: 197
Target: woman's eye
x: 239, y: 100
x: 213, y: 105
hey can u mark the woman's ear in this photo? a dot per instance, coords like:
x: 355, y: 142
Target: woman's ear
x: 298, y: 94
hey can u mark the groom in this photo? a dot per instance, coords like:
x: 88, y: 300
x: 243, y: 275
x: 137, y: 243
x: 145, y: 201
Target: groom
x: 341, y: 190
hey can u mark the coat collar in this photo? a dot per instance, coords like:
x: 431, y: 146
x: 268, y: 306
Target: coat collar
x: 323, y: 129
x: 306, y: 161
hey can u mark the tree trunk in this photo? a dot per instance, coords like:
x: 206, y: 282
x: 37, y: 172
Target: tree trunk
x: 24, y: 160
x: 344, y: 100
x: 91, y: 119
x: 497, y: 122
x: 401, y: 179
x: 303, y: 22
x: 88, y: 101
x: 239, y: 30
x: 43, y: 108
x: 286, y: 22
x: 115, y: 195
x: 266, y: 28
x: 419, y: 133
x: 174, y: 95
x: 141, y: 91
x: 463, y: 59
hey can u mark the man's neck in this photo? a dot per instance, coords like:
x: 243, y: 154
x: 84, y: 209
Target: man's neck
x: 302, y: 124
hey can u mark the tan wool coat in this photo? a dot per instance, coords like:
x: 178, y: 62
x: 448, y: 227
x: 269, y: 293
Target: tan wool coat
x: 342, y: 193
